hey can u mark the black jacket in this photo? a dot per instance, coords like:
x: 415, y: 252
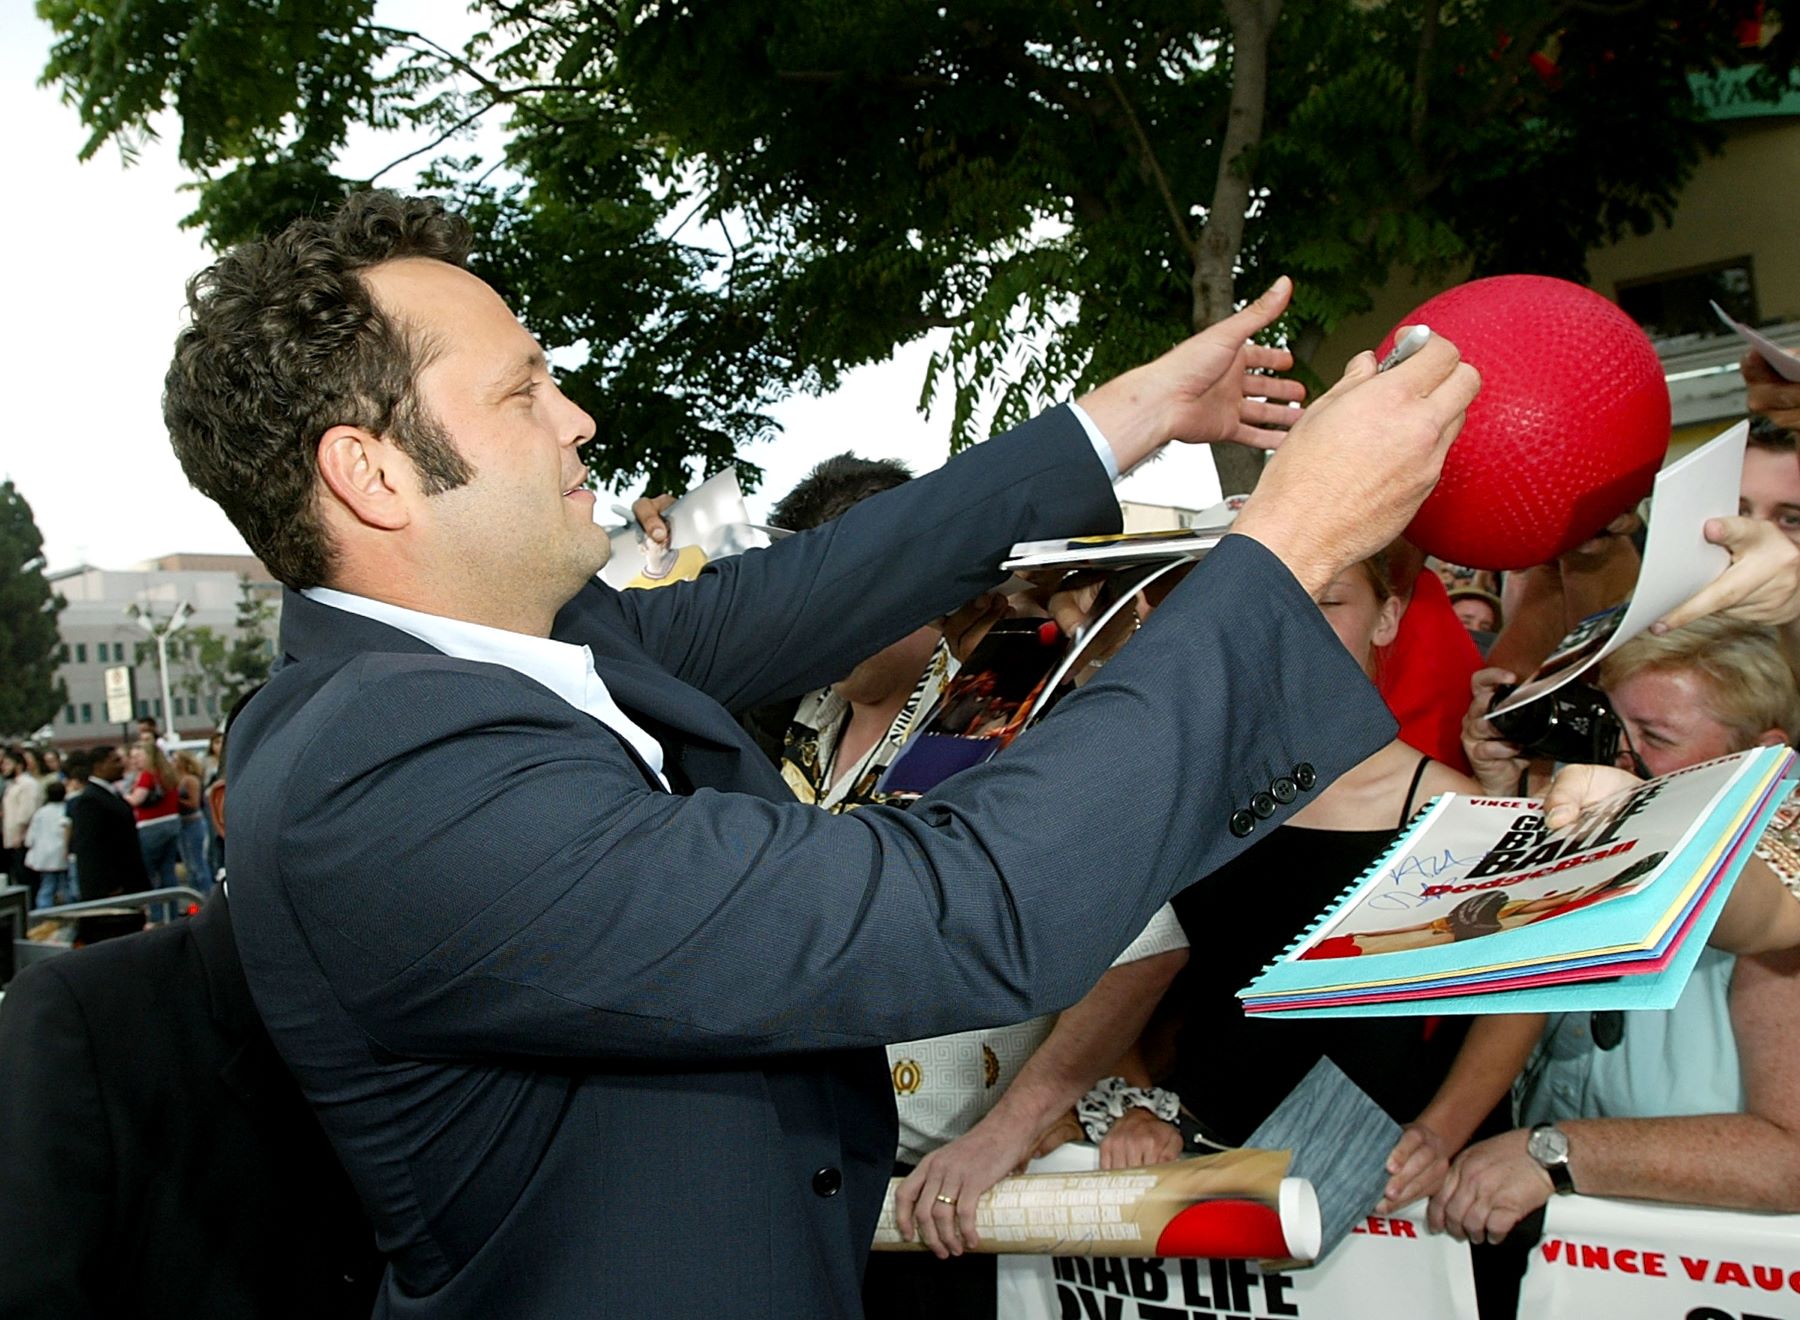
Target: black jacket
x: 156, y: 1158
x: 103, y: 841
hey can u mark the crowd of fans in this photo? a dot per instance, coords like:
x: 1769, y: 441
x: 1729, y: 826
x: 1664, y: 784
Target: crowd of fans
x: 1693, y: 1105
x: 103, y: 821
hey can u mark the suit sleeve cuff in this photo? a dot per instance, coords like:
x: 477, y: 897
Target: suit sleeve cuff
x: 1102, y: 450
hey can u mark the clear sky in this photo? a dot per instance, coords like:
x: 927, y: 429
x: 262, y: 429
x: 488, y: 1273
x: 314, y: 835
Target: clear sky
x: 94, y: 298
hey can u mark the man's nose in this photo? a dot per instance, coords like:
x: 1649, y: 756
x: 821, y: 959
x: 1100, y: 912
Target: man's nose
x: 577, y: 426
x: 584, y: 429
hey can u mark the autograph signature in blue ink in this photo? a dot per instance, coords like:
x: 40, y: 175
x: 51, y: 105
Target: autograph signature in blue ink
x: 1420, y: 868
x: 1430, y: 868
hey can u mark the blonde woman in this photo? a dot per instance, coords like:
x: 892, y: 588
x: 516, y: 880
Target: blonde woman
x: 150, y: 788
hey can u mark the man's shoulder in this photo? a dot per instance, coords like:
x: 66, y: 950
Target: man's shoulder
x: 404, y: 687
x: 99, y: 976
x: 317, y: 726
x: 86, y: 802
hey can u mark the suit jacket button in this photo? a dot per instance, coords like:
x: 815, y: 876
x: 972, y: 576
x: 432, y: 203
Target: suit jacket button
x: 1284, y: 790
x: 1263, y: 805
x: 1305, y: 775
x: 827, y: 1181
x: 1242, y: 822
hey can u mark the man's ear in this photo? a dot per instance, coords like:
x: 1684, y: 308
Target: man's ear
x: 215, y: 800
x: 367, y: 475
x: 1770, y: 738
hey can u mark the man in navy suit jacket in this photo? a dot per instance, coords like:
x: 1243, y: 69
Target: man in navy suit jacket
x: 588, y: 1005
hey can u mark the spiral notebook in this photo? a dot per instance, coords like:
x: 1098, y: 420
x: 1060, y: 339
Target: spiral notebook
x: 1476, y: 909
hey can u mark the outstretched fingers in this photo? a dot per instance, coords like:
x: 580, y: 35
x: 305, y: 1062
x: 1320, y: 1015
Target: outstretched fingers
x: 1253, y: 317
x: 1266, y: 357
x: 1276, y: 389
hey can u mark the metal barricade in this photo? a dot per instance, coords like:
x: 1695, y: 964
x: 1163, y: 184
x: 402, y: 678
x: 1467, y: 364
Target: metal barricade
x: 149, y: 898
x: 26, y: 952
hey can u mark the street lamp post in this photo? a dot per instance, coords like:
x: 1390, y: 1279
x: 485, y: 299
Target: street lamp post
x: 160, y: 631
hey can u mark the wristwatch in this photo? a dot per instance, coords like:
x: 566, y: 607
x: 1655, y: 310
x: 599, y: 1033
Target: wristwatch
x: 1549, y: 1146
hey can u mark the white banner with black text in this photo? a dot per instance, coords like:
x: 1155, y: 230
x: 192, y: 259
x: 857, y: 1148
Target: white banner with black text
x: 1389, y: 1266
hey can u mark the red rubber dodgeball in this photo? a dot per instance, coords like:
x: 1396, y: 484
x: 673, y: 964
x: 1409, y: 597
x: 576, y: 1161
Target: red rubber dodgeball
x: 1569, y: 429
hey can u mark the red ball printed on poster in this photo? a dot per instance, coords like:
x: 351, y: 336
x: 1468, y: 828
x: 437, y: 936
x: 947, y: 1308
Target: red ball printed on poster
x: 1569, y: 429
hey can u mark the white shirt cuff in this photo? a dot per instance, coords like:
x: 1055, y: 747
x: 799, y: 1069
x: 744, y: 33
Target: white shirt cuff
x: 1101, y: 449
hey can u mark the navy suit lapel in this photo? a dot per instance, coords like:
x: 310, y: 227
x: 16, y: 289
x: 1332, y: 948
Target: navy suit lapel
x: 703, y: 746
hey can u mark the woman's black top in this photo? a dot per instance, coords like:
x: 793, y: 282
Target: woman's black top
x: 1232, y: 1070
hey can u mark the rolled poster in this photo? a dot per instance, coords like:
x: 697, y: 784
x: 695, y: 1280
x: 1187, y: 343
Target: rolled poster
x: 1234, y: 1204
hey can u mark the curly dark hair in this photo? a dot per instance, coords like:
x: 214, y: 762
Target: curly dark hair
x: 285, y: 341
x: 833, y: 486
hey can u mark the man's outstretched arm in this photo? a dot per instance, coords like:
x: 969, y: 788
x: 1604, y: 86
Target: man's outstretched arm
x: 545, y: 899
x: 803, y: 613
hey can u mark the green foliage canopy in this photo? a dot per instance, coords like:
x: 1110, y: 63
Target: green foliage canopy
x: 710, y: 206
x: 30, y: 691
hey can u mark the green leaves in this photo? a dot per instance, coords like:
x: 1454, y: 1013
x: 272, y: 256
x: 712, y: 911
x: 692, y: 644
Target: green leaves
x: 31, y: 694
x: 707, y: 207
x: 247, y: 79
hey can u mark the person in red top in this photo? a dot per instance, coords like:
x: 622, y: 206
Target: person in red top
x: 1423, y: 674
x: 150, y: 785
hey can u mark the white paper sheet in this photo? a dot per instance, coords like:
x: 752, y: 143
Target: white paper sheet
x: 1786, y: 365
x: 1678, y: 561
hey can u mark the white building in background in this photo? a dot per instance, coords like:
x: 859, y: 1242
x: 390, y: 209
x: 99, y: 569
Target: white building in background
x: 1140, y: 516
x: 98, y: 632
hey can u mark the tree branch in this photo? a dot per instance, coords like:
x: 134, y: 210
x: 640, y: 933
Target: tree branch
x: 907, y: 80
x: 405, y: 37
x: 1428, y: 30
x: 1215, y: 272
x: 1252, y: 22
x: 1144, y: 150
x: 435, y: 143
x: 1146, y: 154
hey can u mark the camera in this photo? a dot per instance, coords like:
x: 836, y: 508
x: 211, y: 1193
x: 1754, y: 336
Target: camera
x: 1574, y: 724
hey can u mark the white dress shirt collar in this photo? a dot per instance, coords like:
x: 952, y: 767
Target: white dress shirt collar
x: 564, y: 668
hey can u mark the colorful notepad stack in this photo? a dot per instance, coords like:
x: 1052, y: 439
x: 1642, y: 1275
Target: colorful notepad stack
x: 1477, y: 910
